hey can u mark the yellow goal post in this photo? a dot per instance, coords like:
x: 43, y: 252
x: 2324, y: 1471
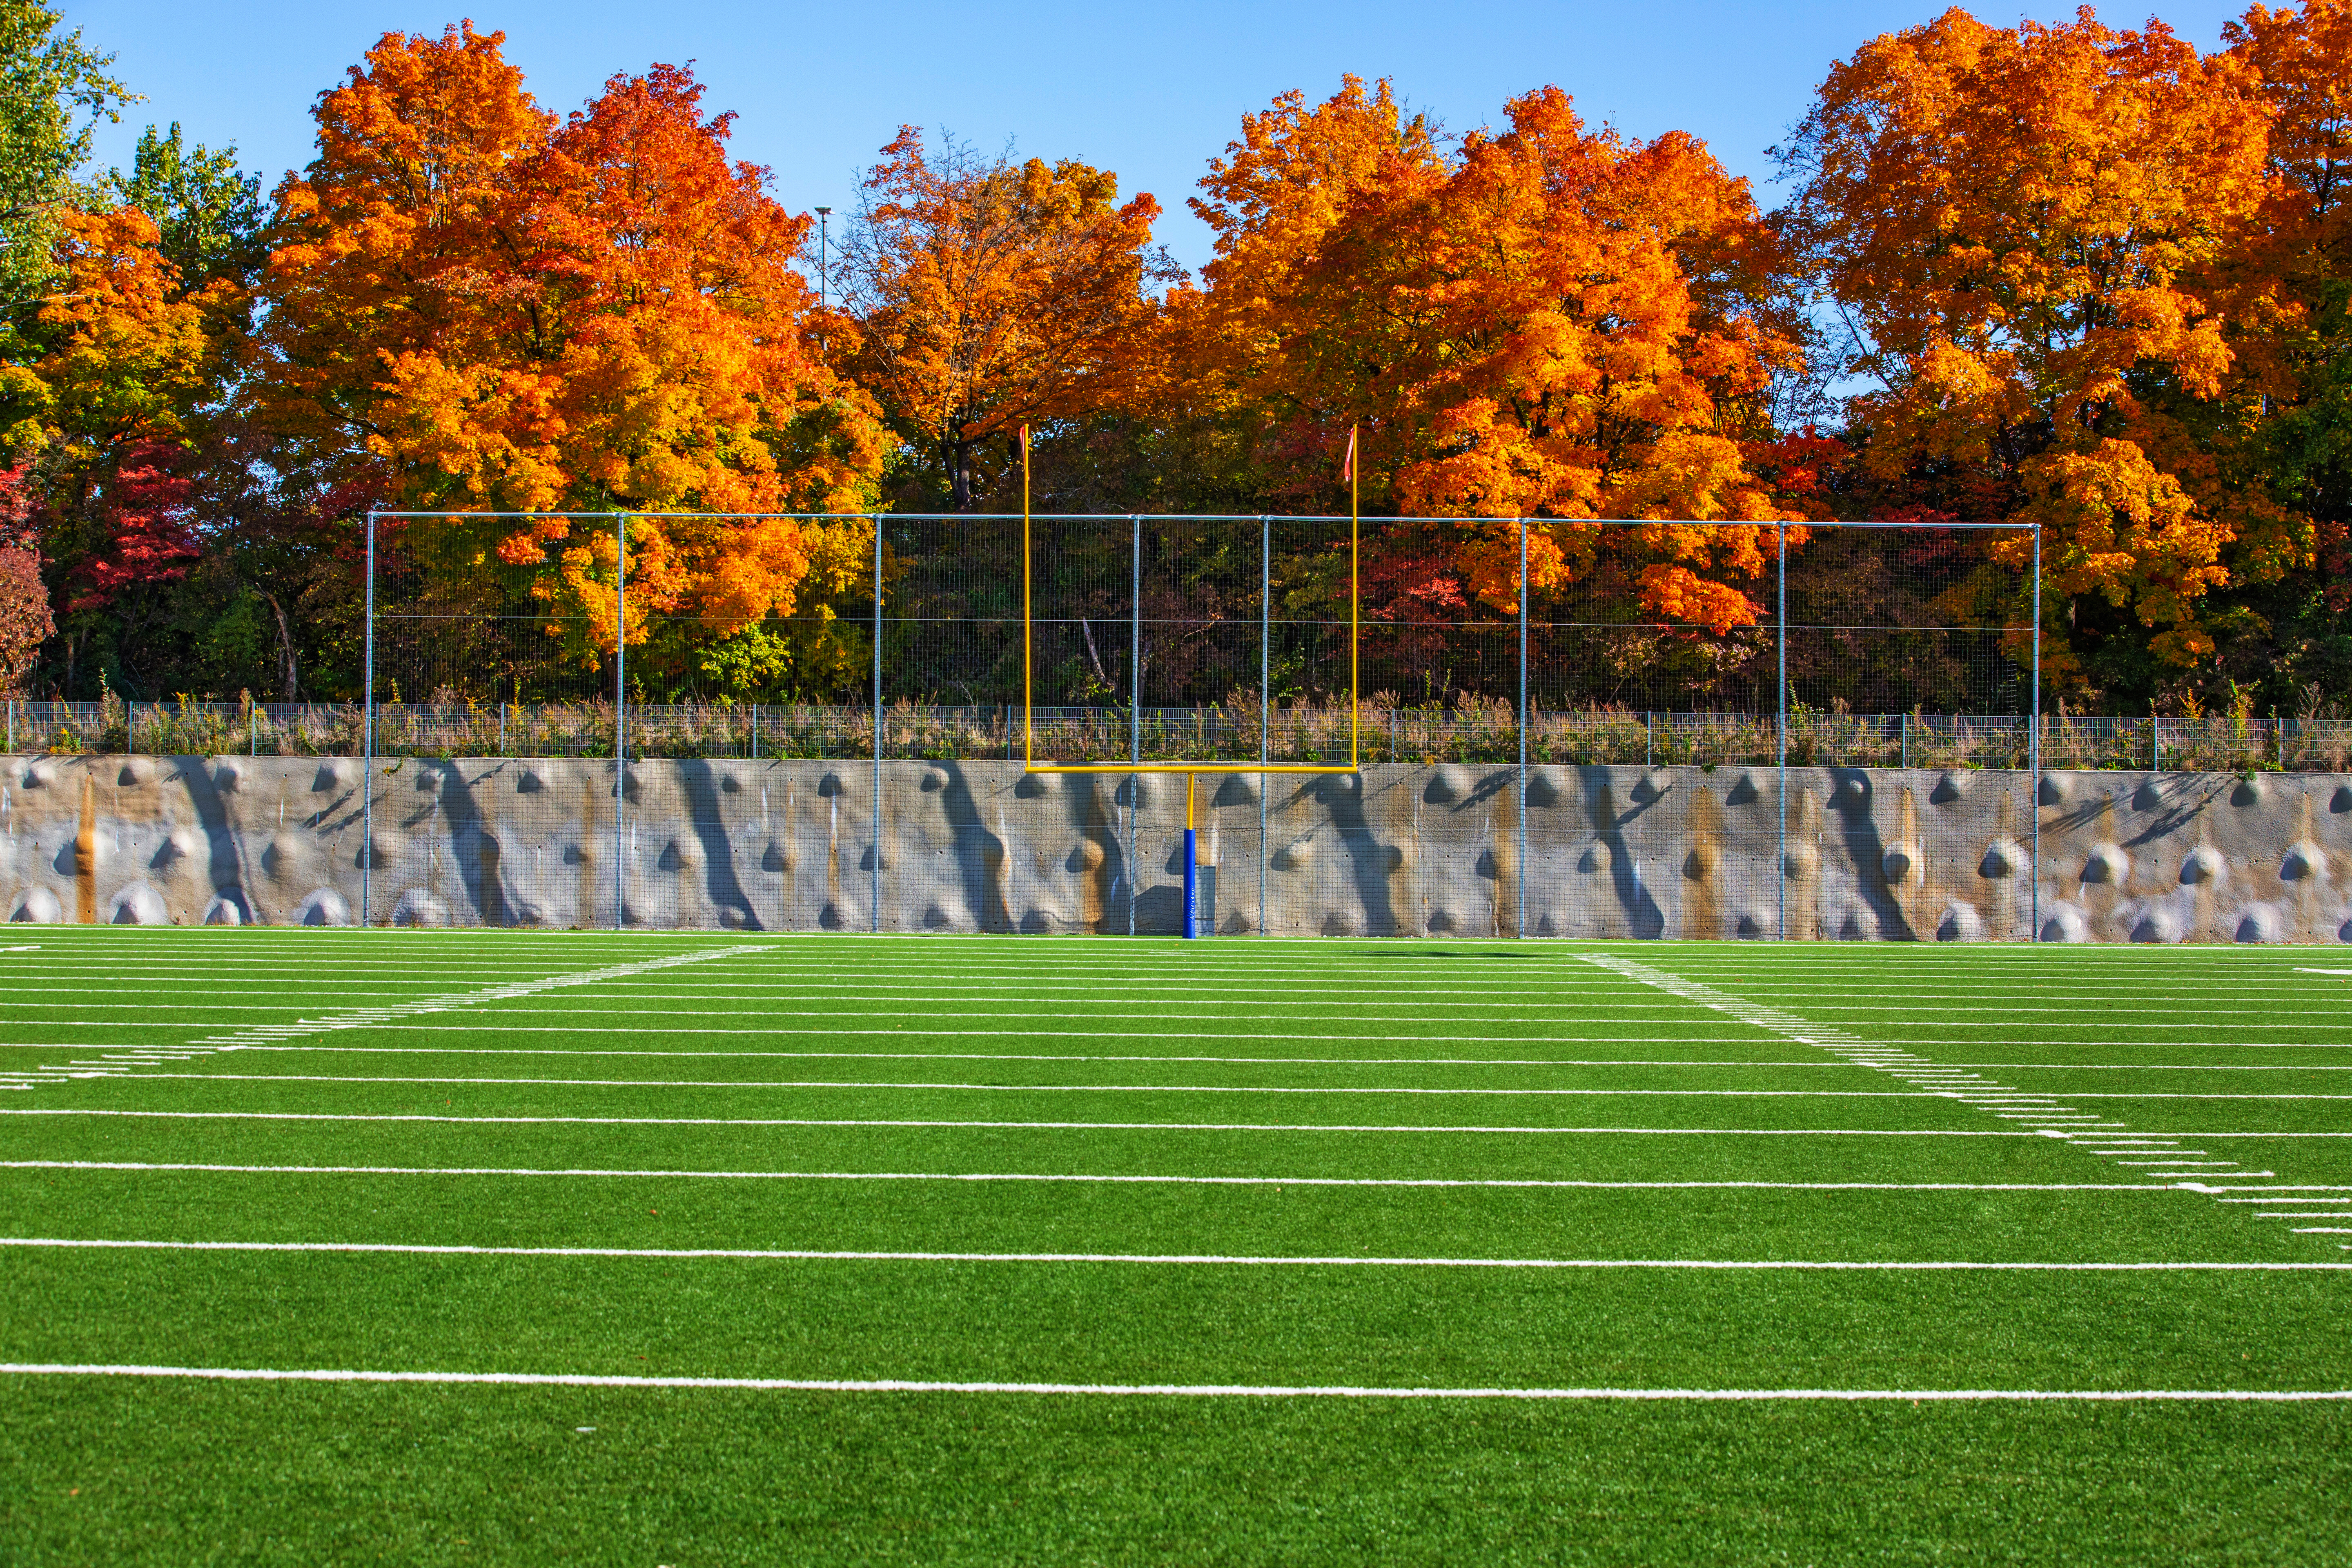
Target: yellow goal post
x: 1031, y: 764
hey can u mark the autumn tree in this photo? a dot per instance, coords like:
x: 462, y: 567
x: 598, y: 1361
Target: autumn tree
x: 26, y: 620
x: 1551, y: 322
x: 475, y: 307
x: 115, y: 414
x: 989, y: 295
x: 2021, y: 224
x: 2284, y: 429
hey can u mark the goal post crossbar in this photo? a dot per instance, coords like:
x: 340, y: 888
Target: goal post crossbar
x: 1029, y: 762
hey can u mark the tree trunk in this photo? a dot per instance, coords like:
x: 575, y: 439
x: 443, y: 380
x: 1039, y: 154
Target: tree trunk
x: 286, y: 671
x: 958, y: 476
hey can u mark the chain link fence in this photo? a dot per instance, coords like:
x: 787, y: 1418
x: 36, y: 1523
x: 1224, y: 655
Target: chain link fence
x: 1540, y: 752
x: 1154, y: 638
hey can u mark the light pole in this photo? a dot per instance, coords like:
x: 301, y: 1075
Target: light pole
x: 822, y: 214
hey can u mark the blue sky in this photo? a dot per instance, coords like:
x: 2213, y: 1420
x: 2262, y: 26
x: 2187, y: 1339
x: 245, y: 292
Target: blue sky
x: 1152, y: 91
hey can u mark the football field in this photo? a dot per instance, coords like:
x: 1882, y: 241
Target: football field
x: 342, y: 1247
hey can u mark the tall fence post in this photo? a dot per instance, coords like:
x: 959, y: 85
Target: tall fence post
x: 1780, y: 726
x: 1135, y: 714
x: 1520, y: 928
x: 2034, y: 738
x: 367, y: 734
x: 620, y: 709
x: 874, y: 868
x: 1265, y: 700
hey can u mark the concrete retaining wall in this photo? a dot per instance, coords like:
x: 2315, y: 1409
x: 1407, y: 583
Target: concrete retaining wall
x: 966, y: 847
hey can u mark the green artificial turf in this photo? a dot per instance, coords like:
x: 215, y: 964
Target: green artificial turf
x: 1110, y: 1164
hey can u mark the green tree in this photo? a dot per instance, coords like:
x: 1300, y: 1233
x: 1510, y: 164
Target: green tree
x: 207, y: 211
x: 53, y: 92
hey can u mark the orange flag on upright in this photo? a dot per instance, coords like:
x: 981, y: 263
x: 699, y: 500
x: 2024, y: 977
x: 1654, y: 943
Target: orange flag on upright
x: 1348, y: 469
x: 1024, y: 443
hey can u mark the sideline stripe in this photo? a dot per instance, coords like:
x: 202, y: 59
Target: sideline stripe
x: 362, y: 1017
x: 1178, y: 1390
x: 130, y: 1059
x: 2040, y: 1111
x: 1219, y: 1259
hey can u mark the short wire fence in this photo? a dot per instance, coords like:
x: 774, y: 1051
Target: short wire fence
x: 1469, y: 732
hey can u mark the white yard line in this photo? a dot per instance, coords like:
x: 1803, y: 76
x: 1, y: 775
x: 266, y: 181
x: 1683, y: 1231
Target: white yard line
x: 2276, y: 1190
x: 1129, y: 1126
x: 1247, y: 1260
x: 2152, y: 1094
x: 951, y: 1122
x: 2156, y: 1066
x: 1937, y: 1079
x: 1183, y: 997
x: 1056, y: 1088
x: 262, y: 1034
x: 1013, y: 1056
x: 1648, y: 1037
x: 1754, y: 1184
x: 1180, y: 1390
x: 1929, y: 1088
x: 980, y: 1176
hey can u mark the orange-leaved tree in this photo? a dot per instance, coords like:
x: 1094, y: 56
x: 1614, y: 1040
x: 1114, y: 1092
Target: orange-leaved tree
x: 1552, y: 322
x: 476, y: 308
x: 987, y: 295
x: 131, y: 353
x: 2021, y: 224
x: 2289, y: 285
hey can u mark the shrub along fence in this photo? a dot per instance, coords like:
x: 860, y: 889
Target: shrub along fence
x: 1471, y: 731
